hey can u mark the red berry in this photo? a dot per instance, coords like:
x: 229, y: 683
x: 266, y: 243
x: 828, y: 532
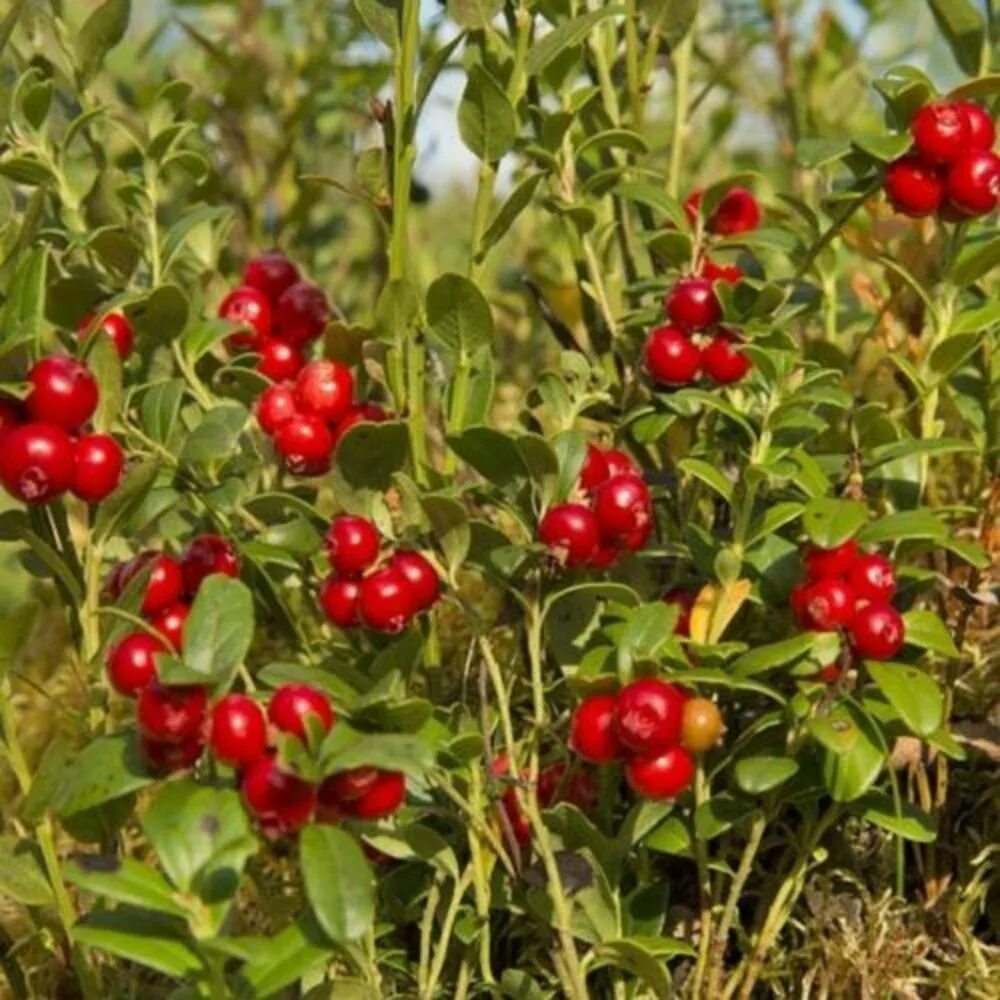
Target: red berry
x: 132, y: 663
x: 826, y: 605
x: 830, y: 674
x: 63, y: 392
x: 278, y: 360
x: 359, y: 413
x: 271, y: 273
x: 684, y: 600
x: 692, y: 206
x: 325, y: 388
x: 167, y: 757
x: 205, y: 556
x: 10, y: 416
x: 386, y: 794
x: 116, y: 326
x: 830, y: 562
x: 592, y: 730
x: 99, y: 464
x: 352, y: 544
x: 164, y: 585
x: 974, y: 182
x: 571, y: 532
x: 940, y: 132
x: 238, y: 733
x: 510, y: 808
x: 982, y: 131
x: 737, y: 212
x: 671, y: 356
x: 301, y: 314
x: 275, y: 405
x: 722, y: 361
x: 291, y: 704
x: 339, y: 600
x: 557, y: 783
x: 386, y: 602
x: 692, y: 304
x: 872, y: 578
x: 649, y: 714
x: 877, y: 631
x: 633, y: 541
x: 594, y: 470
x: 713, y: 271
x: 347, y: 786
x: 305, y: 445
x: 425, y: 586
x: 664, y: 776
x: 171, y: 714
x: 37, y: 462
x: 170, y: 624
x: 605, y: 556
x: 914, y: 187
x: 251, y: 311
x: 619, y: 463
x: 278, y: 800
x: 623, y: 507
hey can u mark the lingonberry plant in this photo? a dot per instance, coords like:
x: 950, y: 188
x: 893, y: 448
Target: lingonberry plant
x: 577, y: 589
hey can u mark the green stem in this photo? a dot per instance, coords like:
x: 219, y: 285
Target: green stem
x: 445, y: 935
x: 404, y: 152
x: 682, y: 83
x: 702, y: 793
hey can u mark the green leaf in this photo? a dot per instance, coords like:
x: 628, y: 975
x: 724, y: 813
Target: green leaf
x: 487, y: 122
x: 914, y: 695
x: 647, y: 630
x: 459, y: 317
x: 450, y: 527
x: 836, y: 731
x: 671, y: 837
x: 161, y: 404
x: 757, y: 775
x: 963, y: 27
x: 24, y: 308
x: 100, y: 33
x: 905, y: 525
x: 925, y: 630
x: 276, y: 962
x: 820, y: 647
x: 346, y: 748
x: 773, y: 518
x: 108, y: 768
x: 130, y: 495
x: 368, y: 456
x: 709, y: 475
x: 379, y: 18
x: 613, y: 138
x: 431, y: 67
x: 338, y: 880
x: 124, y: 880
x: 567, y: 34
x: 850, y: 772
x: 106, y: 365
x: 829, y: 523
x: 719, y: 814
x: 215, y: 438
x: 149, y: 939
x: 975, y: 261
x: 474, y: 14
x: 21, y: 875
x: 493, y: 454
x: 517, y: 201
x: 907, y: 822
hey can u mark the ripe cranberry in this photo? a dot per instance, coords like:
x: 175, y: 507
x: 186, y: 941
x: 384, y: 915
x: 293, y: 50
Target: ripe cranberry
x: 99, y: 464
x: 167, y: 757
x: 278, y: 360
x: 36, y: 462
x: 116, y: 326
x: 692, y: 304
x: 171, y: 714
x: 205, y: 556
x: 510, y: 808
x: 592, y: 730
x: 557, y: 783
x: 386, y: 794
x: 339, y: 601
x: 305, y: 445
x: 571, y: 532
x: 425, y: 586
x: 386, y: 602
x: 664, y: 776
x: 622, y: 506
x: 359, y: 413
x: 914, y: 187
x: 352, y: 544
x: 619, y: 463
x: 830, y: 674
x: 347, y: 786
x: 826, y: 604
x: 721, y: 359
x: 271, y: 273
x: 684, y: 600
x: 275, y: 405
x: 291, y: 704
x: 940, y: 132
x: 671, y: 356
x: 974, y: 182
x: 982, y: 131
x: 250, y: 310
x: 877, y: 631
x: 692, y: 206
x: 170, y: 624
x: 164, y: 585
x: 301, y: 314
x: 63, y: 392
x: 606, y: 555
x: 648, y: 715
x: 238, y: 733
x: 713, y: 271
x: 132, y: 663
x: 594, y: 470
x: 837, y: 561
x: 737, y: 212
x: 278, y: 800
x: 325, y: 388
x: 872, y: 578
x: 633, y: 541
x: 10, y: 416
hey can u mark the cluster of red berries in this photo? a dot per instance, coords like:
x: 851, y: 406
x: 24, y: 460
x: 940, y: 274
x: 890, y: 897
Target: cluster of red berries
x: 44, y: 449
x: 653, y: 726
x: 848, y: 589
x: 951, y: 169
x: 617, y: 517
x: 281, y: 315
x: 305, y: 418
x: 382, y: 591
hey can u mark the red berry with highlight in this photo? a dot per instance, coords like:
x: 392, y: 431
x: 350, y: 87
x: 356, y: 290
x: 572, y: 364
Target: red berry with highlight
x: 164, y: 585
x: 305, y: 445
x: 166, y: 758
x: 693, y: 305
x: 721, y: 359
x: 661, y: 776
x: 170, y: 624
x: 249, y: 309
x: 826, y: 604
x: 238, y: 733
x: 649, y: 714
x: 594, y: 470
x: 37, y: 463
x: 877, y: 631
x: 292, y: 704
x: 347, y: 786
x: 974, y: 182
x: 571, y: 532
x: 425, y: 586
x: 325, y: 389
x: 914, y: 187
x: 386, y: 794
x: 619, y: 463
x: 872, y: 578
x: 171, y: 714
x: 132, y: 663
x: 592, y: 732
x: 301, y: 314
x: 339, y: 600
x: 99, y: 464
x: 623, y: 507
x: 63, y: 392
x: 671, y: 357
x: 386, y: 602
x: 352, y: 544
x: 114, y: 325
x: 271, y: 273
x: 279, y: 361
x: 835, y: 561
x: 275, y: 405
x: 982, y: 130
x: 207, y: 555
x: 737, y: 212
x: 281, y: 802
x: 940, y: 132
